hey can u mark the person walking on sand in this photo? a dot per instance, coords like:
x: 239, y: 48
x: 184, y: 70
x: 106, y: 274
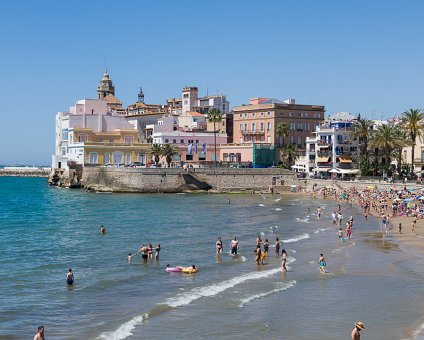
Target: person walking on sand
x: 400, y: 228
x: 234, y: 246
x: 414, y: 222
x: 355, y: 332
x: 322, y: 263
x: 40, y: 333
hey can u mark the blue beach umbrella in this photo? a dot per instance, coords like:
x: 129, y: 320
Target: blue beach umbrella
x: 408, y: 200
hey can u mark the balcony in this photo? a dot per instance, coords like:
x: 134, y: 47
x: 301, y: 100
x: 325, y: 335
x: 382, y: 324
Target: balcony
x: 252, y: 132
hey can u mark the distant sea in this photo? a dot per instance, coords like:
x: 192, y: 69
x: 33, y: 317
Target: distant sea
x: 45, y: 230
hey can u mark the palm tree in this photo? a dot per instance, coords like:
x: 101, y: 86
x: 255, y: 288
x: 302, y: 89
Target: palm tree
x: 403, y: 141
x: 289, y: 155
x: 413, y: 123
x: 282, y: 130
x: 387, y: 139
x: 156, y: 152
x: 214, y: 116
x: 361, y: 129
x: 169, y: 151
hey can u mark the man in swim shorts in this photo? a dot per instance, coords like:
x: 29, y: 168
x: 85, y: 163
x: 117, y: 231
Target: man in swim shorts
x: 234, y: 246
x: 322, y: 263
x: 70, y: 277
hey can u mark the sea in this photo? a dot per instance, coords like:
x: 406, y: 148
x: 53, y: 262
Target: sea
x: 44, y: 231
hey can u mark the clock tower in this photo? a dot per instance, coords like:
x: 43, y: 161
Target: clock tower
x: 105, y: 86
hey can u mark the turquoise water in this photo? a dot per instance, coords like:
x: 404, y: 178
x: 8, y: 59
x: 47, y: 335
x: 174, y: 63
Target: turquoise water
x: 44, y: 231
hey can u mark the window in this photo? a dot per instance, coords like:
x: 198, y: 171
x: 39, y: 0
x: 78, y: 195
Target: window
x: 253, y: 139
x: 253, y: 114
x: 182, y: 141
x: 262, y: 126
x: 128, y: 139
x: 142, y: 158
x: 253, y: 127
x: 93, y: 157
x: 190, y: 141
x: 127, y: 158
x: 299, y: 140
x: 269, y: 139
x: 291, y: 114
x: 107, y: 158
x: 65, y: 134
x: 189, y: 157
x: 245, y: 127
x: 185, y: 95
x: 245, y: 115
x: 299, y: 126
x: 307, y: 126
x: 299, y: 114
x: 166, y: 140
x: 306, y: 114
x: 82, y: 138
x: 269, y: 126
x: 197, y: 141
x: 268, y: 113
x: 174, y: 141
x: 63, y: 150
x: 241, y: 127
x: 281, y: 114
x: 241, y: 115
x: 291, y: 139
x: 262, y: 114
x: 292, y: 126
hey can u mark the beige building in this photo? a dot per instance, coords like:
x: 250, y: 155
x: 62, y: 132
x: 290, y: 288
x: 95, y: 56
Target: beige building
x: 257, y: 122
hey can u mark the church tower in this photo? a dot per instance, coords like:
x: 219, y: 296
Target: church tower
x: 105, y: 86
x: 141, y: 96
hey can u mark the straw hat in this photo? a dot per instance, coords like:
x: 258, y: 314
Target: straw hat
x: 360, y: 325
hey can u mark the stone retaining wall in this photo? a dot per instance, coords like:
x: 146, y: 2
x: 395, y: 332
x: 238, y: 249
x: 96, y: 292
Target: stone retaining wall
x: 178, y: 180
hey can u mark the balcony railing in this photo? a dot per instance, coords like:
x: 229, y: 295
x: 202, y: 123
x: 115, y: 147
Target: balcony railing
x: 252, y: 132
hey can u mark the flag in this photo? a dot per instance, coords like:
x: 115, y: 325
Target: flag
x: 195, y: 148
x: 204, y: 148
x: 190, y: 149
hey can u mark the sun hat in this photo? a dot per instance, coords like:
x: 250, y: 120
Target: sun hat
x: 360, y: 325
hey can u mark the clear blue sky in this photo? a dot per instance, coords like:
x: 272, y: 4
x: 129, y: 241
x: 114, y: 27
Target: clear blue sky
x: 354, y: 56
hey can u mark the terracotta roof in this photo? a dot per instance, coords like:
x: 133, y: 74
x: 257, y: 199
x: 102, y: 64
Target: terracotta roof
x: 194, y: 113
x: 110, y: 98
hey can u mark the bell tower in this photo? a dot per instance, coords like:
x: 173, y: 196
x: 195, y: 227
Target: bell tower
x: 141, y: 96
x: 105, y: 86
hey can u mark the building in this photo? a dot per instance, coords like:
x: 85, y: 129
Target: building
x: 141, y: 108
x: 257, y: 122
x: 90, y: 135
x: 332, y: 150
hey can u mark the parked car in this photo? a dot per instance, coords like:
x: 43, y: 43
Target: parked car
x: 108, y: 165
x: 119, y: 165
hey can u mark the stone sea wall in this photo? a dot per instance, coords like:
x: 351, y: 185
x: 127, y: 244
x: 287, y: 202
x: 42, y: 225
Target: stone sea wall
x: 179, y: 180
x: 24, y: 172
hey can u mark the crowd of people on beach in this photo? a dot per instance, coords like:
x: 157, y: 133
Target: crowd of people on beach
x: 386, y: 204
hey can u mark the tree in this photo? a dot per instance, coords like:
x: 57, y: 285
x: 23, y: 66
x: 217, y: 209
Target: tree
x: 412, y: 122
x: 214, y: 116
x: 282, y: 130
x: 156, y: 152
x: 388, y: 139
x: 289, y: 155
x: 169, y: 151
x: 361, y: 129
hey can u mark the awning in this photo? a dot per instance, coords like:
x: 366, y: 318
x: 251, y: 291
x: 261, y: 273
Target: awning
x: 335, y: 171
x: 345, y: 159
x: 298, y: 167
x: 321, y: 169
x: 323, y: 159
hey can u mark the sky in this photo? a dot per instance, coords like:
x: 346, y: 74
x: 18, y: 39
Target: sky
x: 353, y: 56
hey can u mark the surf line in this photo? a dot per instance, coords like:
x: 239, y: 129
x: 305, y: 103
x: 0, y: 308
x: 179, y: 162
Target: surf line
x: 125, y: 330
x: 284, y: 286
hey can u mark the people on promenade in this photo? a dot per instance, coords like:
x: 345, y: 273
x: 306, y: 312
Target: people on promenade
x: 356, y: 331
x: 322, y: 263
x: 218, y: 246
x: 40, y: 333
x: 234, y: 246
x: 277, y: 247
x: 70, y: 277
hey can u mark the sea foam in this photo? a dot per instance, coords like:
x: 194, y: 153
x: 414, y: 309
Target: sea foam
x: 297, y: 238
x: 282, y: 287
x: 125, y: 330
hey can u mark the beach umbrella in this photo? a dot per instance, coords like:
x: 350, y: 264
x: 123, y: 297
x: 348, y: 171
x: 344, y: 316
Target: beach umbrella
x: 408, y: 200
x: 421, y: 198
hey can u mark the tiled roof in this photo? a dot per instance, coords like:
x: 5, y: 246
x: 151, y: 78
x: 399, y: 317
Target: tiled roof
x: 110, y: 98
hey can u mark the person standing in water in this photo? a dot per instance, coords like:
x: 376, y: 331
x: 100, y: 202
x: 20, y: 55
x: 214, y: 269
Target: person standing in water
x: 355, y: 332
x: 319, y: 212
x: 40, y: 333
x: 218, y: 246
x: 234, y: 246
x: 258, y: 253
x: 102, y: 230
x: 266, y: 248
x: 284, y: 259
x: 322, y: 263
x: 70, y: 277
x: 157, y: 251
x: 277, y: 247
